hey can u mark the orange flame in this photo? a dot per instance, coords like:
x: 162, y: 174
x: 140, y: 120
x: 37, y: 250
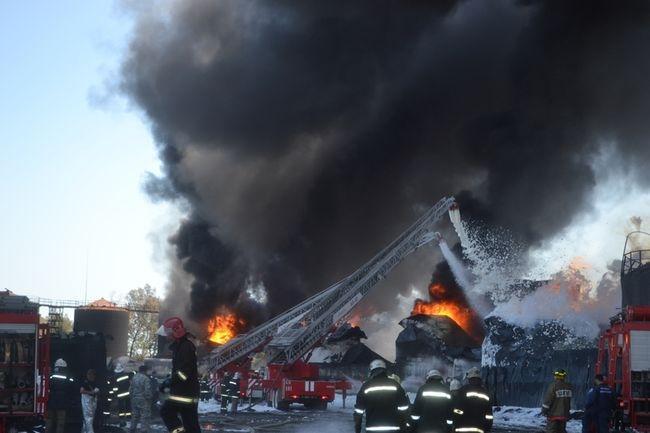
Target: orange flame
x: 577, y: 286
x: 458, y: 314
x: 439, y: 306
x: 224, y: 327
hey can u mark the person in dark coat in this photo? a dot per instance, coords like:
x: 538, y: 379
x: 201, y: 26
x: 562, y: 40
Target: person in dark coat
x: 224, y: 391
x: 233, y: 391
x: 62, y: 391
x: 473, y: 406
x: 433, y: 406
x: 180, y: 410
x: 598, y: 409
x: 383, y: 402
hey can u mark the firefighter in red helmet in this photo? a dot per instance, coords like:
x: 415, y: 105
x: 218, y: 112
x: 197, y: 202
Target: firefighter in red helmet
x: 180, y: 410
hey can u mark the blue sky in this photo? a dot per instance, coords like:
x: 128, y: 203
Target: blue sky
x: 71, y: 169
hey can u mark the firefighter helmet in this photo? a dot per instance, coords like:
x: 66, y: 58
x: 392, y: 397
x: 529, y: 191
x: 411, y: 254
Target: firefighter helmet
x: 172, y: 327
x: 473, y: 372
x: 377, y: 363
x: 60, y: 363
x: 433, y: 374
x: 560, y: 373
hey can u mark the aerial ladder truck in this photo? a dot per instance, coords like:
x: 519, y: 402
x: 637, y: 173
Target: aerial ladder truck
x: 286, y: 341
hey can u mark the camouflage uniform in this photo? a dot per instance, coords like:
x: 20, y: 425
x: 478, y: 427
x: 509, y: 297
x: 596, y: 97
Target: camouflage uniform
x: 141, y: 394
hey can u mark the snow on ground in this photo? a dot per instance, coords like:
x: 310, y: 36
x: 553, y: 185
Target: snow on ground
x: 527, y: 417
x: 213, y: 406
x: 504, y: 417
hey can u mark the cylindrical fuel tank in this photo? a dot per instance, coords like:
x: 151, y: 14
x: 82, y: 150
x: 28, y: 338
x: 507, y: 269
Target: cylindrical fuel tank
x: 635, y: 286
x: 107, y: 318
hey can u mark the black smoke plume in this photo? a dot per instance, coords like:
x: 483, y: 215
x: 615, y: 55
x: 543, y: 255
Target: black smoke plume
x: 304, y: 134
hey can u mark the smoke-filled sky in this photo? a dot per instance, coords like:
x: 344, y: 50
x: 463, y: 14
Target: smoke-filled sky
x: 298, y: 137
x: 303, y: 135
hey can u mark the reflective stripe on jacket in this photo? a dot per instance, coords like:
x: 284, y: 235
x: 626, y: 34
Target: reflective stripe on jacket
x: 384, y: 403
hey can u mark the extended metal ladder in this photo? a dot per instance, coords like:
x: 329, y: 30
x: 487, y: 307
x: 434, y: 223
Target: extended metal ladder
x: 290, y: 335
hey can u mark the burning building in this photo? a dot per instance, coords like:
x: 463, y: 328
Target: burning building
x: 444, y: 331
x: 344, y: 355
x: 554, y: 325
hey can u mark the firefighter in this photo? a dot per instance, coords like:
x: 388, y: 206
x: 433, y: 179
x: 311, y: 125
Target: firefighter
x: 233, y: 391
x: 204, y: 386
x: 473, y: 407
x: 184, y: 391
x: 122, y: 383
x: 62, y: 390
x: 598, y: 409
x: 383, y: 401
x: 224, y: 391
x: 557, y: 403
x: 432, y: 409
x: 141, y: 393
x: 110, y: 398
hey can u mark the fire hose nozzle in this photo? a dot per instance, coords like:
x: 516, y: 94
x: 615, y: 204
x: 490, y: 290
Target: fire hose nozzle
x: 438, y: 237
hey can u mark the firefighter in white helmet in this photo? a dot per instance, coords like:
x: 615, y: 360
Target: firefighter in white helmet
x: 432, y: 409
x: 473, y: 407
x: 383, y: 401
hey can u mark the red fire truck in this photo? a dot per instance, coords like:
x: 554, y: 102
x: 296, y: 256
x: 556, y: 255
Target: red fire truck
x: 282, y: 385
x: 24, y: 362
x: 624, y: 349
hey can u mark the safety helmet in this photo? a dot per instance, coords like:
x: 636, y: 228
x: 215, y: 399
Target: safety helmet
x: 172, y: 327
x: 60, y: 363
x: 473, y: 373
x: 560, y: 373
x: 377, y: 363
x: 431, y: 374
x: 454, y: 385
x: 119, y: 368
x: 237, y: 375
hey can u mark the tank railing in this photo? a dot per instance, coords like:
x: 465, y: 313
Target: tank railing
x: 66, y: 303
x: 44, y: 302
x: 633, y: 260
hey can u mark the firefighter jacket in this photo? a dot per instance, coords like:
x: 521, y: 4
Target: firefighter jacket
x: 473, y: 409
x: 557, y: 401
x: 384, y: 403
x: 122, y: 383
x: 63, y: 390
x: 184, y: 387
x: 600, y: 401
x: 233, y: 387
x: 433, y: 408
x: 224, y: 386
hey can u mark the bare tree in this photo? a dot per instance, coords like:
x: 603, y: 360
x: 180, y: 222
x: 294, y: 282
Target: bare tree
x: 142, y: 325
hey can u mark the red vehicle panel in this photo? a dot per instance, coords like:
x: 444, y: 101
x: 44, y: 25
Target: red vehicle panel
x: 617, y: 347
